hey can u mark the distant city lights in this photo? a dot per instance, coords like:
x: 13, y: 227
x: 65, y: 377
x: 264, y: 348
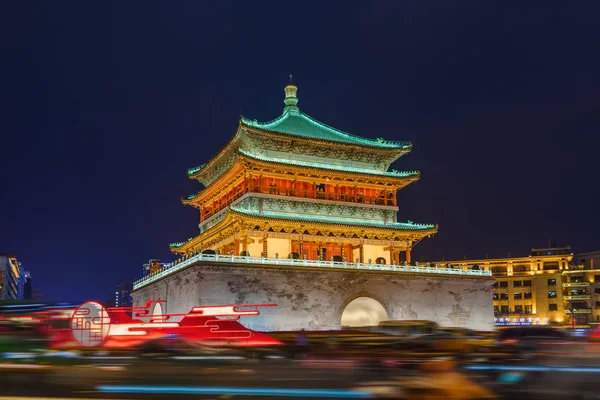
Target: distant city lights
x: 520, y: 321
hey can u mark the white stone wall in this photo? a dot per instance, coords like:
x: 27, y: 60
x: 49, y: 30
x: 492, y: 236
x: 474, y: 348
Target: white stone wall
x: 316, y: 299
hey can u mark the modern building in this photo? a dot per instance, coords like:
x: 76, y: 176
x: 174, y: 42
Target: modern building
x: 123, y: 294
x: 543, y: 288
x: 12, y: 278
x: 305, y: 215
x: 28, y: 288
x: 590, y: 260
x: 584, y: 288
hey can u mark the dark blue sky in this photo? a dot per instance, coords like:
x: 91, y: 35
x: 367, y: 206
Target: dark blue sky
x: 104, y: 106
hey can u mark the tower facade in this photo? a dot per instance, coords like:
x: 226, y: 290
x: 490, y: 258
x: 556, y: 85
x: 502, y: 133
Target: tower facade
x: 297, y: 188
x: 298, y: 213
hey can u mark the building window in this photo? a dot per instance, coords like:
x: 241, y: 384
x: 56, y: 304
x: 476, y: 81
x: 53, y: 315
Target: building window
x: 503, y: 309
x: 598, y: 304
x: 495, y: 296
x: 496, y: 310
x: 520, y: 268
x: 553, y: 307
x: 495, y: 285
x: 597, y: 278
x: 552, y: 294
x: 517, y: 296
x: 527, y: 309
x: 550, y: 265
x: 519, y: 309
x: 527, y: 295
x: 526, y: 283
x: 503, y: 284
x: 577, y: 278
x: 597, y: 291
x: 551, y: 282
x: 517, y: 283
x: 503, y: 296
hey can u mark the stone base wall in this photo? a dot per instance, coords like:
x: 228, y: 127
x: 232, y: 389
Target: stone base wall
x: 315, y: 299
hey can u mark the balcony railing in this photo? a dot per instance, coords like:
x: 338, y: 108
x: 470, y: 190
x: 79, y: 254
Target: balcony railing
x: 578, y: 297
x: 305, y: 194
x: 576, y: 284
x: 579, y: 311
x: 226, y: 259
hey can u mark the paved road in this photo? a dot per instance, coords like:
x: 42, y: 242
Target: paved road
x: 536, y: 379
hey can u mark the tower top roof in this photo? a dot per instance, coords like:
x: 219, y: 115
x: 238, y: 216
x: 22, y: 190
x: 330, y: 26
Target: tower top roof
x: 295, y: 123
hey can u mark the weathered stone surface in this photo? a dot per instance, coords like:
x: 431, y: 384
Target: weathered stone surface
x: 316, y: 299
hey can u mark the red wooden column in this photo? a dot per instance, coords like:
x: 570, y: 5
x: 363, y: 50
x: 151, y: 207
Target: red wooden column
x: 236, y: 248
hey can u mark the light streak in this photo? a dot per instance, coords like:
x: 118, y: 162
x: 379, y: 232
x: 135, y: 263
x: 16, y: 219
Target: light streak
x: 532, y: 368
x: 237, y: 391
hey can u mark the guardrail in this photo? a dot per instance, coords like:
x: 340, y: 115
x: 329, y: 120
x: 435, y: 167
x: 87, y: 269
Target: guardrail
x: 229, y: 259
x: 579, y: 311
x: 576, y: 284
x: 578, y: 297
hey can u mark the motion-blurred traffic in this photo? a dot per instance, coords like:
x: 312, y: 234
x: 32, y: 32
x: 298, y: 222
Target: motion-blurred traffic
x: 397, y: 359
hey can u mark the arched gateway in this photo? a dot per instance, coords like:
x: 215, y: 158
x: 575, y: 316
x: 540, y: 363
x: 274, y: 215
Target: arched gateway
x: 362, y: 312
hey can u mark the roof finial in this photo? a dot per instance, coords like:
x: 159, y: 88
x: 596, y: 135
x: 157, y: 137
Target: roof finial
x: 290, y: 98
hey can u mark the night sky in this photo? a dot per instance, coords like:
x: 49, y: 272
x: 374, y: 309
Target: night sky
x: 105, y: 105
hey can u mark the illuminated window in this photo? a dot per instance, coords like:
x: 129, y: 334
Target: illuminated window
x: 551, y: 282
x: 550, y: 265
x: 552, y: 294
x: 527, y: 309
x: 553, y: 307
x: 503, y: 296
x: 517, y: 296
x: 495, y: 296
x: 519, y: 309
x: 527, y: 295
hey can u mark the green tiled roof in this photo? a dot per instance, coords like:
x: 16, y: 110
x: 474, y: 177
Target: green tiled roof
x: 179, y: 244
x: 296, y: 123
x: 392, y: 173
x: 192, y: 171
x: 332, y: 220
x: 191, y: 196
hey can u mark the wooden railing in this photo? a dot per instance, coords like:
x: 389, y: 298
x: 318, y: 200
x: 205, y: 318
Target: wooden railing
x: 304, y: 194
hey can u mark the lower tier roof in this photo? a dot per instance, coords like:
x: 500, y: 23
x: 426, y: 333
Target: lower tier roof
x: 328, y: 220
x: 236, y: 220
